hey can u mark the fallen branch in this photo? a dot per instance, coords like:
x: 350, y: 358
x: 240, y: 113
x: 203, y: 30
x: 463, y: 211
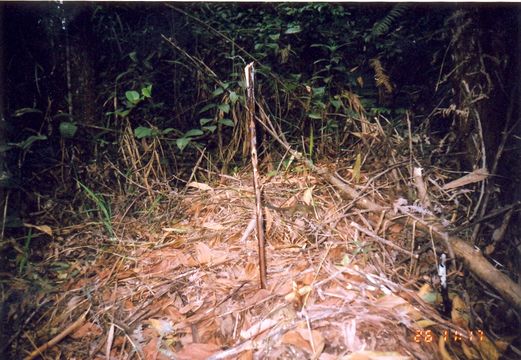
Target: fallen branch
x: 55, y: 340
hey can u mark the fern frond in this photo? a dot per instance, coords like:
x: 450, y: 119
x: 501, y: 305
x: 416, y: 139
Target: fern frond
x: 382, y: 79
x: 383, y: 26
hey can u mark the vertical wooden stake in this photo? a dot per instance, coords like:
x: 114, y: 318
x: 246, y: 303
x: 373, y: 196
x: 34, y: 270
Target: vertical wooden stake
x: 249, y: 74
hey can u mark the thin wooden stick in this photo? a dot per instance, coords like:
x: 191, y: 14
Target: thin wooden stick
x: 249, y: 72
x: 55, y: 340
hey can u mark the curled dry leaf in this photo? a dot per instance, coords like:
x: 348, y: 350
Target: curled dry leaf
x: 459, y: 313
x: 46, y: 229
x: 307, y: 197
x: 200, y: 186
x: 475, y: 176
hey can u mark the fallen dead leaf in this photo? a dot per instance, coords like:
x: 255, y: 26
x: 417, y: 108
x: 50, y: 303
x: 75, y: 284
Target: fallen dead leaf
x: 196, y: 351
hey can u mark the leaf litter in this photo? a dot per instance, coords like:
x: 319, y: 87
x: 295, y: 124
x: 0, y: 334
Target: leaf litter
x: 186, y: 286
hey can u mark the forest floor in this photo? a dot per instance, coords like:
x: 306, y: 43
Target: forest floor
x: 181, y: 281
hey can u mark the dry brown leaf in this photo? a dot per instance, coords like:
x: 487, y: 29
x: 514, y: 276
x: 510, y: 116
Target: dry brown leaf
x: 87, y: 330
x: 475, y: 176
x: 487, y: 348
x: 470, y: 352
x: 249, y: 272
x: 442, y: 349
x: 205, y: 255
x: 43, y: 228
x: 151, y: 349
x: 307, y: 197
x: 197, y: 351
x: 459, y: 313
x: 200, y: 186
x: 425, y: 323
x: 212, y: 225
x: 257, y: 328
x: 294, y: 338
x: 315, y: 339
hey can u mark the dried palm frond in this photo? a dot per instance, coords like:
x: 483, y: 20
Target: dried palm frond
x: 382, y: 79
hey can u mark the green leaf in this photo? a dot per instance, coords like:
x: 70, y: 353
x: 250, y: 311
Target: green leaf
x: 133, y: 56
x: 318, y: 91
x: 68, y: 129
x: 294, y: 29
x: 167, y: 131
x: 233, y: 97
x: 30, y: 140
x: 193, y: 132
x: 147, y: 91
x: 218, y: 91
x: 210, y: 128
x: 142, y: 132
x: 123, y: 113
x: 204, y: 121
x: 207, y: 107
x: 227, y: 122
x: 336, y: 103
x: 182, y: 142
x: 24, y: 111
x: 315, y: 116
x: 132, y: 96
x: 5, y: 148
x: 225, y: 108
x: 274, y: 37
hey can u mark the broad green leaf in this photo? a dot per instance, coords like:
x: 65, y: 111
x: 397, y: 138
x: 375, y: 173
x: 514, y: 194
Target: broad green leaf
x: 315, y: 116
x: 318, y: 91
x: 206, y: 108
x: 167, y: 131
x: 233, y: 97
x: 225, y: 108
x: 182, y: 142
x: 295, y: 29
x: 68, y: 129
x: 204, y: 121
x: 193, y: 132
x: 132, y: 96
x: 336, y: 103
x: 274, y: 37
x: 147, y: 91
x: 227, y: 122
x: 218, y: 91
x: 142, y: 132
